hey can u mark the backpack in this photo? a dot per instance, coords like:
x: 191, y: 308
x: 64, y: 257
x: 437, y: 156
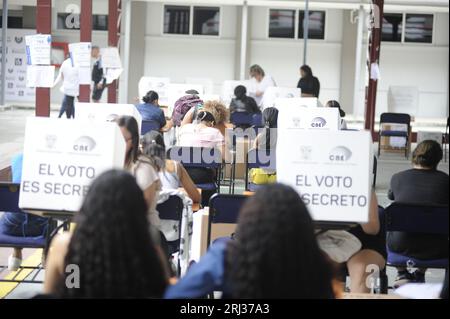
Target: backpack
x: 182, y: 106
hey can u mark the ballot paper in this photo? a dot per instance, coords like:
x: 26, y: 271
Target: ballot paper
x: 110, y: 58
x: 40, y: 76
x: 38, y: 49
x: 80, y: 53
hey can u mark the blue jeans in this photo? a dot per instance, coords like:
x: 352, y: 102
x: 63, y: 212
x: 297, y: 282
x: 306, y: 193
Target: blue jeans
x: 22, y: 225
x: 68, y: 107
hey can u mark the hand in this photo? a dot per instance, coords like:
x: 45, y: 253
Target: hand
x: 99, y: 86
x: 259, y: 93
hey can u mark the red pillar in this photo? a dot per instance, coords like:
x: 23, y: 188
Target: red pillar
x: 85, y: 36
x: 114, y: 7
x: 374, y: 57
x: 44, y: 26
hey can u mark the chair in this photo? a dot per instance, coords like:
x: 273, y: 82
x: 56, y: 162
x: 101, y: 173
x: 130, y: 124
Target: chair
x: 445, y: 140
x: 224, y: 209
x: 374, y: 171
x: 199, y: 157
x: 148, y: 126
x: 418, y: 219
x: 257, y: 120
x: 241, y: 119
x: 395, y: 118
x: 9, y: 202
x: 258, y: 159
x: 172, y: 209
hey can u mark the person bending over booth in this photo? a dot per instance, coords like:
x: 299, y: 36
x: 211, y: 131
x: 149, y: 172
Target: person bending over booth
x: 260, y: 82
x: 423, y: 184
x: 150, y: 111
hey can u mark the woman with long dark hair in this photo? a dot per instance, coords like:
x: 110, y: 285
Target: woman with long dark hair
x: 111, y: 253
x: 242, y: 102
x: 274, y: 254
x: 308, y: 83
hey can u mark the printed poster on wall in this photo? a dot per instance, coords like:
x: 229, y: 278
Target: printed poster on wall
x: 38, y: 49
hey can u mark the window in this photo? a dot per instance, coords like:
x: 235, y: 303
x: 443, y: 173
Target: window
x: 176, y: 19
x: 13, y: 22
x: 316, y: 29
x: 70, y: 21
x: 282, y: 24
x: 419, y: 28
x: 392, y: 27
x: 206, y: 21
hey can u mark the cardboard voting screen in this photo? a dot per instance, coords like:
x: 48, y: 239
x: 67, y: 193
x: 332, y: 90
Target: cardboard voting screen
x: 319, y: 118
x: 159, y: 85
x: 62, y: 158
x: 297, y: 102
x: 228, y: 89
x: 179, y: 90
x: 274, y: 93
x: 106, y: 112
x: 331, y: 170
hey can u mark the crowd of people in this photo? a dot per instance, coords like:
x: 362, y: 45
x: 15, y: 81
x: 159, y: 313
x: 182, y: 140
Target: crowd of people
x: 275, y: 252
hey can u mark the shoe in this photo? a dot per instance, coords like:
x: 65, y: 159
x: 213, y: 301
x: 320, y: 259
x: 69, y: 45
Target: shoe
x: 403, y: 277
x: 419, y: 277
x: 14, y: 263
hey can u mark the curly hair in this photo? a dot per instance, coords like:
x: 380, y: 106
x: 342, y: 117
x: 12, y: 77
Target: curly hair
x: 112, y: 244
x: 218, y: 110
x: 275, y: 253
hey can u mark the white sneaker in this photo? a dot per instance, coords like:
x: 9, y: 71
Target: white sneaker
x: 14, y: 263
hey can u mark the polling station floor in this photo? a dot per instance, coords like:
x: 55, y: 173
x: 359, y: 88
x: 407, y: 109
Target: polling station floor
x: 12, y: 124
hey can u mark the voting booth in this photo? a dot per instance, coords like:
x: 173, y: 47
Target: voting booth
x: 228, y: 89
x: 61, y: 159
x: 274, y: 93
x: 208, y: 84
x: 311, y: 102
x: 319, y: 118
x: 331, y: 170
x: 159, y: 85
x: 106, y: 112
x: 176, y: 91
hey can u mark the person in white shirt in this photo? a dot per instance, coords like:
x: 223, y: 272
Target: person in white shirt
x: 260, y: 82
x: 70, y: 87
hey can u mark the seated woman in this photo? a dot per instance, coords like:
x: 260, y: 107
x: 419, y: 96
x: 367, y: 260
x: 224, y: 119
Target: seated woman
x: 242, y: 102
x: 343, y: 123
x: 266, y: 140
x: 274, y: 254
x: 111, y: 253
x: 423, y: 184
x: 202, y: 134
x: 150, y: 110
x: 173, y: 175
x: 20, y: 224
x: 217, y: 109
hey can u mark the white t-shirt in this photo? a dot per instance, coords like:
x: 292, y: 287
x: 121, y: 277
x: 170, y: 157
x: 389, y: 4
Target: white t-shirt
x: 71, y: 81
x: 256, y: 86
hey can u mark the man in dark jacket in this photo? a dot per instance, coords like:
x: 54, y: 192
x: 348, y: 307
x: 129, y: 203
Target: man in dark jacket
x: 97, y: 76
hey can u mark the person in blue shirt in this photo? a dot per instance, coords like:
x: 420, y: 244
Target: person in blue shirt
x: 20, y: 224
x: 150, y: 110
x: 273, y: 254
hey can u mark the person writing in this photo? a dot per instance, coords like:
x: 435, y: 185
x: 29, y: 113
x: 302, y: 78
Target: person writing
x: 150, y: 110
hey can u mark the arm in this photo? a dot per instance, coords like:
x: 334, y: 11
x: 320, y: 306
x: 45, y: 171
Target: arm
x: 188, y: 184
x: 54, y: 267
x: 150, y: 193
x: 373, y: 226
x: 167, y: 127
x: 59, y: 78
x: 188, y: 117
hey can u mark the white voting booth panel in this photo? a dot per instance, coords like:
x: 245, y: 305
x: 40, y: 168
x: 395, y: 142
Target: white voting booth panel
x: 107, y: 112
x: 179, y: 90
x: 331, y: 170
x: 310, y: 102
x: 274, y: 93
x: 319, y: 118
x: 208, y: 84
x: 62, y: 158
x: 159, y: 85
x: 228, y: 89
x: 210, y: 97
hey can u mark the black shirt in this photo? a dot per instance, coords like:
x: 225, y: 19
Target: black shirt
x: 246, y: 104
x: 97, y: 73
x: 421, y: 187
x: 309, y: 85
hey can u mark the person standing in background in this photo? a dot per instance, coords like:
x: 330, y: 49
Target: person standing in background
x: 70, y: 87
x: 308, y: 83
x: 260, y: 83
x: 97, y: 75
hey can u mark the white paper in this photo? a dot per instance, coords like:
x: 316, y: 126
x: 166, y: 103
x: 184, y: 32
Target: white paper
x: 84, y: 75
x: 80, y: 53
x: 40, y: 76
x: 38, y: 49
x: 374, y: 71
x: 112, y: 74
x: 110, y: 58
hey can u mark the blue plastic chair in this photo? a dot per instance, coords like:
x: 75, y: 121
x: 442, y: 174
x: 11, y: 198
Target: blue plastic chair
x: 395, y: 118
x: 172, y: 209
x: 240, y: 119
x: 199, y: 157
x: 224, y: 209
x: 258, y: 159
x: 148, y: 126
x: 418, y: 219
x: 257, y: 120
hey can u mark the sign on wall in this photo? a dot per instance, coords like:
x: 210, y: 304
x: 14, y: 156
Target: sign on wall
x: 16, y: 67
x: 274, y: 93
x: 304, y: 118
x: 331, y: 170
x: 38, y: 49
x: 106, y: 112
x: 63, y: 157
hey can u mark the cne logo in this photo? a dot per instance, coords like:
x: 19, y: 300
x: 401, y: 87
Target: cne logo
x: 84, y: 144
x: 340, y: 154
x: 318, y: 122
